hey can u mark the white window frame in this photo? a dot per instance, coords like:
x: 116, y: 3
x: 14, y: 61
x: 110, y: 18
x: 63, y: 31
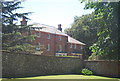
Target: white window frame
x: 38, y: 34
x: 48, y: 36
x: 75, y: 46
x: 71, y: 45
x: 57, y: 54
x: 60, y: 38
x: 48, y: 47
x: 60, y: 48
x: 81, y: 47
x: 38, y: 46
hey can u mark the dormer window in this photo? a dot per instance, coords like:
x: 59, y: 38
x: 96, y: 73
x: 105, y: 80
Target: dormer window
x: 48, y: 37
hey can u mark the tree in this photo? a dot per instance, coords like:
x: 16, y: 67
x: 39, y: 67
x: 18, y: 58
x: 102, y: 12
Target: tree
x: 84, y: 29
x: 9, y: 15
x: 106, y: 13
x: 13, y: 39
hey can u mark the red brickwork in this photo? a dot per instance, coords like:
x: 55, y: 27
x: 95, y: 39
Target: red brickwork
x: 57, y: 43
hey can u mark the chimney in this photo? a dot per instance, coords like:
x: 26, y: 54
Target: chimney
x: 59, y: 27
x: 23, y: 22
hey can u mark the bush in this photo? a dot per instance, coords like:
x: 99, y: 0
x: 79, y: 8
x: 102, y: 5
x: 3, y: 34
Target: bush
x: 86, y: 72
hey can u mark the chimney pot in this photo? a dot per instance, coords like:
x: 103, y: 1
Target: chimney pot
x: 23, y: 22
x: 23, y: 19
x: 59, y: 27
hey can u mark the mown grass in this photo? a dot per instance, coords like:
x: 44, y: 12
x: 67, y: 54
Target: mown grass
x: 68, y: 77
x: 64, y: 78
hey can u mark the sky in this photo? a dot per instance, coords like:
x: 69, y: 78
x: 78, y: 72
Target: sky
x: 53, y: 12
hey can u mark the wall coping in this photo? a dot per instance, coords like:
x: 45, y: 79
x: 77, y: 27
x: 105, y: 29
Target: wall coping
x: 101, y: 60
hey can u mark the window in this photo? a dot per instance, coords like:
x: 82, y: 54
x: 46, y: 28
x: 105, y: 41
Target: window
x: 81, y: 47
x: 38, y: 34
x: 71, y: 45
x: 48, y: 47
x: 48, y: 37
x: 60, y: 48
x: 60, y: 38
x: 75, y: 46
x: 57, y: 54
x: 38, y: 46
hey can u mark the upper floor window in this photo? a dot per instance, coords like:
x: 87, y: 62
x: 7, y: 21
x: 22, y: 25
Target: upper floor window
x: 38, y: 34
x: 71, y: 45
x: 81, y: 47
x: 48, y: 47
x: 75, y: 46
x: 48, y: 37
x: 60, y: 38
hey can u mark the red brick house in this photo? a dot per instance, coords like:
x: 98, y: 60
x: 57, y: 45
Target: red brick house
x: 55, y: 41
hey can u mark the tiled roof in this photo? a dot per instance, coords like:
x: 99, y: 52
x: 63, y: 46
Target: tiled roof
x: 49, y: 29
x: 54, y: 30
x: 72, y: 40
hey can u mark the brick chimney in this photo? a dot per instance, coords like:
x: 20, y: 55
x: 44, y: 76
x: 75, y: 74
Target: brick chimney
x: 23, y: 22
x: 59, y: 27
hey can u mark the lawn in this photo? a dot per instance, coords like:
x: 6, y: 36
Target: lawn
x: 68, y: 77
x: 64, y: 78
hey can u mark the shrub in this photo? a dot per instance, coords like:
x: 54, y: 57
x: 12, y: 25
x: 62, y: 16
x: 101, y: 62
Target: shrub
x: 86, y: 72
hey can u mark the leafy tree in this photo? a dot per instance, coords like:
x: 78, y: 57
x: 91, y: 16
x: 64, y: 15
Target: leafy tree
x: 13, y: 39
x: 84, y: 29
x: 9, y: 15
x: 106, y: 13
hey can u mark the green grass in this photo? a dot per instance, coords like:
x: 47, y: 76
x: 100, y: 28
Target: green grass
x: 64, y: 78
x: 68, y: 77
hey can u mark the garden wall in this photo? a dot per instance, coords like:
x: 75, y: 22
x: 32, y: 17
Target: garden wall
x: 104, y: 68
x: 24, y: 65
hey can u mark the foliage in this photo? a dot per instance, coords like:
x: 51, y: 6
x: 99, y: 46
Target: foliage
x: 13, y: 39
x: 84, y: 29
x: 16, y: 42
x: 106, y: 13
x: 86, y: 72
x: 95, y: 56
x: 9, y: 15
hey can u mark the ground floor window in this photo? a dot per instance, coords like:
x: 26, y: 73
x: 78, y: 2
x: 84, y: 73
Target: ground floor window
x: 37, y: 46
x: 61, y: 54
x: 48, y: 47
x: 60, y: 48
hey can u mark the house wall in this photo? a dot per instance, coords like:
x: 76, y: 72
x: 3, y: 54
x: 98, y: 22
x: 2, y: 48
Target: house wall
x: 43, y: 40
x: 73, y: 49
x: 53, y: 41
x: 62, y: 42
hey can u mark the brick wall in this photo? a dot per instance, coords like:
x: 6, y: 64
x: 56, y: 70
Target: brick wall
x: 73, y: 49
x: 104, y: 68
x: 22, y: 65
x: 54, y: 42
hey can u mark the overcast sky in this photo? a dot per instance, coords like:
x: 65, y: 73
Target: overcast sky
x: 53, y: 12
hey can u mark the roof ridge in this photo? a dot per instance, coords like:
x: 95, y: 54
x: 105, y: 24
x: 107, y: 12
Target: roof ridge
x: 45, y: 25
